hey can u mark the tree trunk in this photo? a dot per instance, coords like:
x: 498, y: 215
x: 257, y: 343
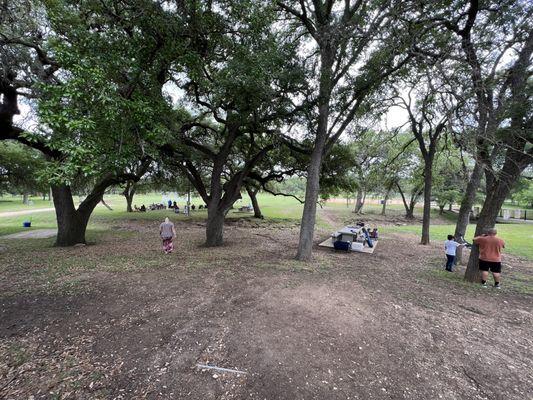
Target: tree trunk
x: 450, y: 207
x: 215, y: 227
x: 385, y: 202
x: 441, y: 209
x: 255, y: 204
x: 25, y: 198
x: 404, y: 202
x: 128, y: 193
x: 307, y: 227
x: 71, y: 224
x: 409, y: 208
x: 467, y: 202
x: 426, y: 217
x: 497, y: 192
x: 359, y: 202
x: 129, y: 201
x: 487, y: 219
x: 459, y: 255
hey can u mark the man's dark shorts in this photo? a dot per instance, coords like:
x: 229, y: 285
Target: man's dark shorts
x: 491, y: 266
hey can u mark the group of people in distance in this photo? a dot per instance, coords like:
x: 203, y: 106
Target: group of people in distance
x: 153, y: 206
x: 490, y: 255
x: 176, y: 207
x: 171, y: 206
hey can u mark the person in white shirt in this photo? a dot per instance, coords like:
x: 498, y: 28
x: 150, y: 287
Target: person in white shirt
x: 450, y: 246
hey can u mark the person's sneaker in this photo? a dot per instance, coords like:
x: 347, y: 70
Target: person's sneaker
x: 498, y: 286
x: 484, y: 285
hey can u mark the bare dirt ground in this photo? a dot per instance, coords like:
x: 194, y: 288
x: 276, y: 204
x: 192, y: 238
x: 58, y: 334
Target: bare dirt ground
x: 120, y: 320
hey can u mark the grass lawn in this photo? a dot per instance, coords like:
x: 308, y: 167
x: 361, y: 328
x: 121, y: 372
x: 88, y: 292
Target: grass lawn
x: 14, y: 203
x: 518, y: 238
x: 275, y: 208
x: 41, y: 220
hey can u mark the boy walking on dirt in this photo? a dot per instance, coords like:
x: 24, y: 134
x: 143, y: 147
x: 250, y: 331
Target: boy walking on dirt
x: 490, y: 256
x: 450, y: 246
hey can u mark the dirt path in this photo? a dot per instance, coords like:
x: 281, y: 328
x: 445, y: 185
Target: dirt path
x: 24, y: 212
x: 330, y: 217
x: 33, y: 234
x: 121, y: 320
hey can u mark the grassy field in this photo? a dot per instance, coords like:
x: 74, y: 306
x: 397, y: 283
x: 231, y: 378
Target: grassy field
x: 14, y: 203
x: 276, y: 208
x: 518, y: 238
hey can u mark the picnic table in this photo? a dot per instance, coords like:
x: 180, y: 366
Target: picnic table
x: 347, y: 234
x: 351, y: 238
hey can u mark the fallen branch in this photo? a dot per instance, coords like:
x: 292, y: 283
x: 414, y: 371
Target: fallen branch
x: 236, y: 371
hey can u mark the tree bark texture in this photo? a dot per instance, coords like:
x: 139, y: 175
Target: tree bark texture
x: 487, y: 219
x: 359, y: 201
x: 255, y: 204
x: 128, y: 193
x: 215, y: 227
x: 312, y: 188
x: 383, y: 208
x: 499, y: 189
x: 409, y: 207
x: 467, y: 201
x: 307, y: 227
x: 71, y: 223
x: 426, y: 218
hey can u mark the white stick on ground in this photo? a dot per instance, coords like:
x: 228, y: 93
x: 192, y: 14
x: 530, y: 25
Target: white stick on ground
x: 236, y: 371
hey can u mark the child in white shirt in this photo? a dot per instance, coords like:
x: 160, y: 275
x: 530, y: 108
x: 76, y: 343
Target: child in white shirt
x: 450, y: 246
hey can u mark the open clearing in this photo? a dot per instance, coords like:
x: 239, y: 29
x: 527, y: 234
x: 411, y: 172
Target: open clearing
x: 119, y: 319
